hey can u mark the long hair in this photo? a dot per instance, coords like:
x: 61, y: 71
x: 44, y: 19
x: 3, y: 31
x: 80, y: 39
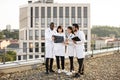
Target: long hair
x: 70, y: 28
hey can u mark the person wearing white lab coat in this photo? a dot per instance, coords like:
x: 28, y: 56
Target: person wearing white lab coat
x: 70, y: 48
x: 59, y: 50
x: 80, y: 49
x: 49, y: 54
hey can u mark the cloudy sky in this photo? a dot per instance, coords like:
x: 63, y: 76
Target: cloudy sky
x: 103, y: 12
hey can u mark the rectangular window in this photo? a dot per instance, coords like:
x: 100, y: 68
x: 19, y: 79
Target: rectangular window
x: 36, y: 47
x: 79, y: 12
x: 26, y: 34
x: 86, y: 33
x: 36, y: 34
x: 66, y: 12
x: 24, y: 57
x: 43, y: 17
x: 54, y: 12
x: 85, y: 12
x: 31, y: 15
x: 42, y: 34
x: 36, y: 12
x: 30, y: 47
x: 73, y: 12
x: 48, y: 12
x: 43, y: 47
x: 36, y: 56
x: 19, y: 57
x: 61, y: 12
x: 30, y: 34
x: 24, y: 47
x: 30, y: 56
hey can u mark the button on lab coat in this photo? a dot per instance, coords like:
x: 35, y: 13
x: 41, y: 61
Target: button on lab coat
x: 79, y: 46
x: 59, y: 48
x: 49, y: 43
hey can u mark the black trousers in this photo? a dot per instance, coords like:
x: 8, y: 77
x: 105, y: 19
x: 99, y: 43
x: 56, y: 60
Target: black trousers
x: 58, y: 61
x: 49, y: 67
x: 71, y: 63
x: 81, y: 65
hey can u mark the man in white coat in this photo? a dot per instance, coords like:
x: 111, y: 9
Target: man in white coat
x: 79, y: 49
x: 49, y: 48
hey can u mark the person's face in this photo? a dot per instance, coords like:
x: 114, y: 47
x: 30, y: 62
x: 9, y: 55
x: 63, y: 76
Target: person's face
x: 69, y: 31
x: 60, y: 30
x: 52, y: 26
x: 74, y: 29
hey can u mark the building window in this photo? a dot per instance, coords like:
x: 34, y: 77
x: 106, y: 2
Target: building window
x: 43, y: 17
x: 55, y: 15
x: 24, y: 47
x: 54, y: 12
x: 26, y: 34
x: 36, y: 56
x: 36, y: 34
x: 85, y: 15
x: 19, y: 57
x: 73, y: 15
x: 36, y: 17
x: 48, y: 16
x: 24, y: 57
x: 30, y: 34
x: 36, y: 47
x: 86, y: 34
x: 30, y: 56
x: 31, y: 15
x: 79, y: 20
x: 66, y: 16
x: 42, y: 34
x: 30, y: 47
x: 42, y: 47
x: 60, y: 15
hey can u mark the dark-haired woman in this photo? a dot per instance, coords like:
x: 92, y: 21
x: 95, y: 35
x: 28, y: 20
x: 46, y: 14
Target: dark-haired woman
x: 70, y: 49
x: 59, y: 50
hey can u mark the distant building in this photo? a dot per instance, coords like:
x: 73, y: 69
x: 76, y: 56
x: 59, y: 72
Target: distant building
x: 36, y: 16
x: 8, y: 27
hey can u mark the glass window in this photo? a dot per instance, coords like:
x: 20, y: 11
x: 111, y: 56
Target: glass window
x: 30, y: 34
x: 79, y: 12
x: 36, y: 34
x: 73, y: 12
x: 85, y: 12
x: 36, y: 47
x: 42, y: 12
x: 48, y: 12
x: 48, y: 22
x: 30, y: 56
x: 61, y: 12
x: 25, y: 47
x: 31, y: 22
x: 43, y: 34
x: 66, y: 12
x: 36, y: 56
x: 66, y: 22
x: 30, y: 47
x: 19, y: 57
x: 85, y: 22
x: 86, y: 33
x: 36, y: 12
x: 43, y: 47
x: 54, y: 12
x: 55, y: 21
x: 24, y: 57
x: 43, y: 22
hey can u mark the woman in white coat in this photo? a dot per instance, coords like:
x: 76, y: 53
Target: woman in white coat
x: 80, y: 49
x: 70, y: 48
x: 59, y: 50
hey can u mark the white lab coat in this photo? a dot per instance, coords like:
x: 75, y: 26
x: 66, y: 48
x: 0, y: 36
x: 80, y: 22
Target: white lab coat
x: 49, y: 43
x: 70, y: 46
x: 79, y: 46
x: 59, y: 48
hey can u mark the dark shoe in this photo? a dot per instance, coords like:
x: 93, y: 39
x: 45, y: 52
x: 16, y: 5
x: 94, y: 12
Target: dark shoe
x: 82, y: 73
x: 77, y: 75
x: 46, y: 72
x: 52, y: 71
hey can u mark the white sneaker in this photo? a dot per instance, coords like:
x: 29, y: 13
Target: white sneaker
x: 73, y: 71
x: 69, y: 73
x: 64, y: 71
x: 59, y: 71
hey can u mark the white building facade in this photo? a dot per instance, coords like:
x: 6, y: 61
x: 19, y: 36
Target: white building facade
x: 36, y: 17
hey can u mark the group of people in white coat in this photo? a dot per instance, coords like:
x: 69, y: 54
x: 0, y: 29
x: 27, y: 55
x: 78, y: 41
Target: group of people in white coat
x: 58, y: 50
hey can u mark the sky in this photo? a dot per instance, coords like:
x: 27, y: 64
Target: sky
x: 103, y: 12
